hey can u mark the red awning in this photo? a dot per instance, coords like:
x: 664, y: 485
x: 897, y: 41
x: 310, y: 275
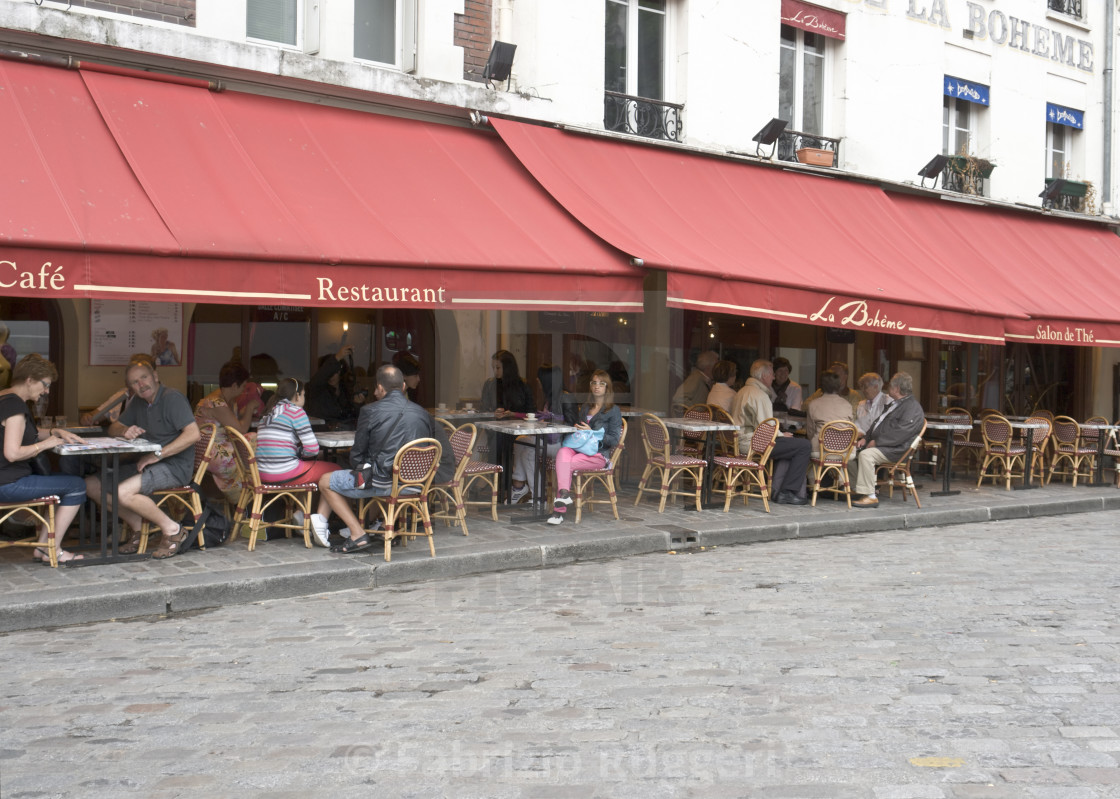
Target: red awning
x: 137, y: 188
x: 1057, y: 271
x: 813, y: 18
x: 742, y: 238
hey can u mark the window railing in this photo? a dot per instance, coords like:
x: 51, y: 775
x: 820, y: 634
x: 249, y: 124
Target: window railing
x: 640, y: 116
x: 1070, y: 7
x: 793, y: 140
x: 1072, y: 196
x: 967, y: 174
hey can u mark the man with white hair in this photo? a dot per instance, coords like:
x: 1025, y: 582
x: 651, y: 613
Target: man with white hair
x: 889, y: 438
x: 694, y: 389
x: 752, y: 405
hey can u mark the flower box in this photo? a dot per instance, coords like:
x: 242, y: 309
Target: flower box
x: 816, y: 156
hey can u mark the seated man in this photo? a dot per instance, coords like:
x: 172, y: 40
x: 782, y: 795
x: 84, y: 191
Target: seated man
x: 694, y: 390
x: 889, y: 438
x: 753, y: 404
x: 829, y: 407
x: 853, y: 397
x: 383, y: 428
x: 163, y: 416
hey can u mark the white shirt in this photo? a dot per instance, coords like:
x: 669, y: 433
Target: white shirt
x: 870, y: 410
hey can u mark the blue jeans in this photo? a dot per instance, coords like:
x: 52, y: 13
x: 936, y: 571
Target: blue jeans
x: 69, y: 489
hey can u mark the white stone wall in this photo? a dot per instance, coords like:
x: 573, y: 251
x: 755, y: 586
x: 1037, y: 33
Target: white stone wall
x: 884, y: 82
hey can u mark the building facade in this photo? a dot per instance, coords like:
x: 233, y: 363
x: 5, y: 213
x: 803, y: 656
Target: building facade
x: 996, y: 103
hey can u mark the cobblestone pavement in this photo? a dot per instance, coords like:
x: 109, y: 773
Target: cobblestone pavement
x: 975, y: 661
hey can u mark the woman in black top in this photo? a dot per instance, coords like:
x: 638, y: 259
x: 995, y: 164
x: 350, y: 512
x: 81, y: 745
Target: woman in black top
x: 506, y: 393
x: 23, y: 441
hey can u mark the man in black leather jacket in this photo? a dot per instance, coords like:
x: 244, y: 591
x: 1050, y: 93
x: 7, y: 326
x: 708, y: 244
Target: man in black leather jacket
x: 383, y: 428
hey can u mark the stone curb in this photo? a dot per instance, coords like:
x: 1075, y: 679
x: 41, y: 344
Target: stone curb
x: 145, y: 597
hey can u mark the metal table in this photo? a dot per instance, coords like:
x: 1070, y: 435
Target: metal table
x: 110, y: 451
x: 508, y: 431
x: 699, y: 426
x: 947, y: 465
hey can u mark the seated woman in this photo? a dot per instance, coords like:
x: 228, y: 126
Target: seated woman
x: 505, y: 393
x: 219, y: 406
x: 828, y: 407
x: 329, y: 394
x: 31, y: 379
x: 286, y: 449
x: 598, y: 413
x: 721, y: 393
x: 553, y: 407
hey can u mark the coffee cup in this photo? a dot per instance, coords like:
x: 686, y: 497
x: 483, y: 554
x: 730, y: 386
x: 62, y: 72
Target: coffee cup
x: 442, y: 406
x: 468, y: 406
x: 532, y: 417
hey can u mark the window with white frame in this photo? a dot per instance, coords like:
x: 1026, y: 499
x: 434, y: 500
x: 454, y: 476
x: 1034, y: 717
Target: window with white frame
x: 957, y: 121
x: 273, y: 21
x: 635, y: 47
x: 1058, y: 145
x: 385, y: 32
x: 801, y: 79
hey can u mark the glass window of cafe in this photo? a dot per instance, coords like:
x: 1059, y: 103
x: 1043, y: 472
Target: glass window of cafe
x: 30, y: 326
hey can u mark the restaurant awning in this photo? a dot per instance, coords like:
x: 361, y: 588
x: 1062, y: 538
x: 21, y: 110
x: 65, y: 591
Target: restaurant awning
x: 120, y: 186
x: 742, y: 238
x: 1057, y: 271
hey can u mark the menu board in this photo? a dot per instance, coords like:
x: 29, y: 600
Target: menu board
x: 120, y: 328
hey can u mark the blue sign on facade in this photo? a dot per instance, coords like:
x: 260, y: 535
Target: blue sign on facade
x: 1060, y: 115
x: 966, y: 90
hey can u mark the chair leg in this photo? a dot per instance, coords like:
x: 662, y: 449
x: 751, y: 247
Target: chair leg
x: 254, y: 521
x: 664, y: 490
x: 816, y: 484
x: 642, y: 483
x: 699, y: 486
x: 612, y: 493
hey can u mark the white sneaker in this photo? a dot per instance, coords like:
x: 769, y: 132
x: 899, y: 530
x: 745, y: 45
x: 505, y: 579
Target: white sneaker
x: 321, y: 534
x: 519, y: 494
x: 297, y: 518
x: 556, y: 518
x: 564, y: 500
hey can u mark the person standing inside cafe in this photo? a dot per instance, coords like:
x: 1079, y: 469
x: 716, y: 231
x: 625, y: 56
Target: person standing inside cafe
x: 23, y: 441
x: 787, y: 393
x: 162, y: 416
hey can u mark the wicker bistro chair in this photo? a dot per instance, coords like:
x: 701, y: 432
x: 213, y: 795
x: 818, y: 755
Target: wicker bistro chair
x: 414, y: 468
x: 693, y: 443
x: 256, y: 496
x: 1067, y: 447
x: 727, y: 441
x: 963, y: 444
x: 898, y: 474
x: 1091, y: 436
x: 659, y: 458
x: 1040, y: 445
x: 747, y: 471
x: 43, y: 511
x: 837, y: 440
x: 488, y: 474
x: 583, y: 480
x: 1112, y: 450
x: 1000, y: 449
x: 450, y: 494
x: 189, y: 497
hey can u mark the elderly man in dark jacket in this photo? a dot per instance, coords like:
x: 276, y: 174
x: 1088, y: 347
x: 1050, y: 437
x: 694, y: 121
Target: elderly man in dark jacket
x: 889, y: 437
x: 383, y: 428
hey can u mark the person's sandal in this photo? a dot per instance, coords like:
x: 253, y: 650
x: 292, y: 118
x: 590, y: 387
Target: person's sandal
x: 172, y: 545
x: 352, y: 545
x: 132, y: 546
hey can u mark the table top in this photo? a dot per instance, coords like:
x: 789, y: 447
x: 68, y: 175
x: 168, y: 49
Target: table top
x: 91, y: 430
x: 335, y: 439
x: 523, y: 427
x: 935, y: 425
x: 451, y: 415
x: 944, y: 417
x: 102, y: 445
x: 1098, y: 426
x: 1017, y: 425
x: 639, y: 411
x: 697, y: 425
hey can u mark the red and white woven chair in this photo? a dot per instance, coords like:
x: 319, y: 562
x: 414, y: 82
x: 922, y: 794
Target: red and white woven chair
x: 449, y: 496
x: 256, y: 496
x: 837, y: 439
x: 414, y: 468
x: 187, y: 498
x: 583, y: 481
x: 1000, y: 449
x: 1068, y: 448
x: 659, y: 458
x: 42, y: 509
x: 739, y: 474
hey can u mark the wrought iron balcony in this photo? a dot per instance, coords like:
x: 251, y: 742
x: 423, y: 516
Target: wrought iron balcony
x: 1072, y: 195
x: 640, y: 116
x: 1070, y: 7
x: 793, y: 140
x: 967, y: 174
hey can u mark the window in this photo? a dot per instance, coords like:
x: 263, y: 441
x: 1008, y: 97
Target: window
x: 1070, y: 7
x: 801, y: 81
x: 385, y: 32
x: 273, y: 21
x: 956, y: 127
x: 1057, y: 150
x: 635, y: 48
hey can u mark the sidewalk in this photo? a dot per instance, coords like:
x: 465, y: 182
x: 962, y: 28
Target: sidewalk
x: 37, y: 596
